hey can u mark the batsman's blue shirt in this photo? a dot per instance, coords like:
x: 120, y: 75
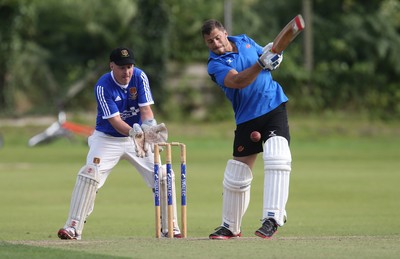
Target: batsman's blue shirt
x: 117, y: 100
x: 258, y: 98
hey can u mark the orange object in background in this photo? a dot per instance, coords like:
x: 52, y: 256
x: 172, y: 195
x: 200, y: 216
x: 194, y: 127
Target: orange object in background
x: 78, y: 128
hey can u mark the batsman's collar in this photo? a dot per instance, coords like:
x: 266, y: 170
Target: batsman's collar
x: 122, y: 56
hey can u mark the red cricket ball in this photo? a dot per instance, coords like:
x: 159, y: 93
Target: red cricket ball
x: 255, y: 136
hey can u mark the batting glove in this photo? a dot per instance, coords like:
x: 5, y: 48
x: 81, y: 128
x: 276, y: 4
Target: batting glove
x: 268, y: 60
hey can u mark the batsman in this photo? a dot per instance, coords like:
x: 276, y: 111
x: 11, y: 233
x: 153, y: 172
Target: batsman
x: 125, y: 129
x: 242, y: 69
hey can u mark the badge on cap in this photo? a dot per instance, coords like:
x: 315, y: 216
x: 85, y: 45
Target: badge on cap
x: 124, y: 53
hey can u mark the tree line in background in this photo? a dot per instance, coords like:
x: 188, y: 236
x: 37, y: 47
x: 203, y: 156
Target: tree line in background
x: 52, y: 52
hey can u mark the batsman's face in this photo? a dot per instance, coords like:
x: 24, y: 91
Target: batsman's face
x: 122, y: 74
x: 217, y: 41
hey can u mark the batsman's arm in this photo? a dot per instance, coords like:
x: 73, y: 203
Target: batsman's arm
x: 239, y: 80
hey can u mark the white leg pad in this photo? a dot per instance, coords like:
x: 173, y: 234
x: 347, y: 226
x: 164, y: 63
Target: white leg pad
x: 83, y: 196
x: 164, y: 201
x: 236, y: 196
x: 277, y: 166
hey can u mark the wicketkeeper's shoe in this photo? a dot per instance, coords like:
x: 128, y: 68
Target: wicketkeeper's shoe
x: 177, y: 234
x: 68, y: 233
x: 222, y: 233
x: 268, y: 229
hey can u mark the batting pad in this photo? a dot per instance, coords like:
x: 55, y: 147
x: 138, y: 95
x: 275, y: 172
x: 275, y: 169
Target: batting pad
x: 164, y: 201
x: 83, y: 197
x: 277, y: 167
x: 236, y: 196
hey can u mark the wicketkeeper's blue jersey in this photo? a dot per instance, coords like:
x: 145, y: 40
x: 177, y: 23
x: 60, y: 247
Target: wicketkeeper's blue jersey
x: 115, y: 100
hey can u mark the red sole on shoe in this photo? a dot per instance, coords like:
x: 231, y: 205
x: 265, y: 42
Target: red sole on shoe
x: 220, y: 237
x: 224, y: 237
x: 262, y: 236
x: 62, y: 234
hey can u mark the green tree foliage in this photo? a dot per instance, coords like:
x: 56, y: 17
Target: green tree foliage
x: 8, y: 10
x: 357, y: 57
x: 152, y: 30
x: 186, y: 19
x: 356, y: 48
x: 56, y: 43
x: 48, y: 46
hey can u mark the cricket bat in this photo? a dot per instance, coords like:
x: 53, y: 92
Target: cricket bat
x: 288, y: 34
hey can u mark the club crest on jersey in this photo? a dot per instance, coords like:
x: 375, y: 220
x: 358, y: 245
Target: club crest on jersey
x: 133, y: 93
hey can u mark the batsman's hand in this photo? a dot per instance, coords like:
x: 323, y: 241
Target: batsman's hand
x: 137, y: 135
x: 268, y: 60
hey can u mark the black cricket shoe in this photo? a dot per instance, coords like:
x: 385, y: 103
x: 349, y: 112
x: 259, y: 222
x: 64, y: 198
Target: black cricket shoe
x: 268, y: 229
x: 222, y: 233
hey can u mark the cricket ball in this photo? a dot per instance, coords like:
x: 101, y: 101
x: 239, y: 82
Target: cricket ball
x: 255, y: 136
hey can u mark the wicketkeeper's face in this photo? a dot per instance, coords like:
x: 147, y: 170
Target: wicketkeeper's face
x: 122, y: 74
x: 217, y: 41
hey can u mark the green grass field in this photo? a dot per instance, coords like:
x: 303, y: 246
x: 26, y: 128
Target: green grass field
x: 343, y: 203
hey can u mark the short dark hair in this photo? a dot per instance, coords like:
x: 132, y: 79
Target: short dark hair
x: 210, y: 25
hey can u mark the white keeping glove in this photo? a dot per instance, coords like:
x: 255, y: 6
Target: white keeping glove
x: 137, y: 135
x: 154, y: 133
x: 268, y: 60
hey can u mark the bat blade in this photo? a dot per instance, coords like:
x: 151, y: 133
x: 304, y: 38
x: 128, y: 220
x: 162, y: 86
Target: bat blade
x: 288, y: 34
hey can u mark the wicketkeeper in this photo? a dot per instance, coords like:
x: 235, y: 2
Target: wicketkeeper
x: 125, y: 129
